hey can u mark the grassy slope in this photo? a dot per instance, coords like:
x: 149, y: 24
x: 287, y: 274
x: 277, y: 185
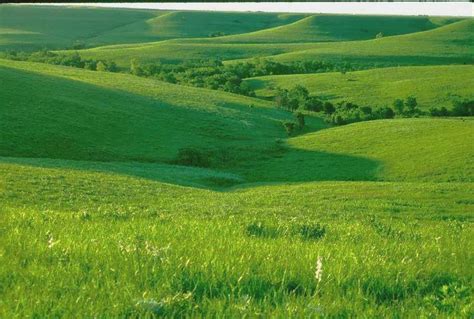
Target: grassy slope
x: 193, y: 24
x: 323, y: 28
x: 94, y: 239
x: 148, y: 120
x: 79, y: 114
x: 34, y: 28
x: 388, y: 150
x: 431, y: 85
x: 448, y: 44
x: 172, y: 51
x: 124, y: 246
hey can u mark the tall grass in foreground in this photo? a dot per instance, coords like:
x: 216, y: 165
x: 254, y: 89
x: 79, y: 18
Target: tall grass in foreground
x: 87, y: 265
x: 90, y: 244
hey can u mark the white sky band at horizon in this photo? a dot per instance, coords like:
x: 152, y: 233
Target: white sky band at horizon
x: 460, y: 9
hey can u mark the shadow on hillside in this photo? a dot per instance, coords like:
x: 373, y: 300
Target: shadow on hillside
x: 292, y: 166
x: 297, y: 165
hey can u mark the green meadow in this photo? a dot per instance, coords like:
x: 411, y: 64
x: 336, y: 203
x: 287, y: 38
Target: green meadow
x: 125, y: 196
x: 432, y: 85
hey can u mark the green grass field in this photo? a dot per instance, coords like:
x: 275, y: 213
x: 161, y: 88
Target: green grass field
x: 449, y: 44
x: 99, y: 218
x: 431, y: 85
x: 446, y: 44
x: 332, y: 28
x: 25, y: 27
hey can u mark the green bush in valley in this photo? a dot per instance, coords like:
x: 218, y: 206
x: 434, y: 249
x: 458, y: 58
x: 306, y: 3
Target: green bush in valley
x: 192, y: 157
x: 300, y: 119
x: 290, y: 127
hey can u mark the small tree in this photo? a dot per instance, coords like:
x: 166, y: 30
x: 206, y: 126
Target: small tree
x: 293, y: 104
x: 398, y: 106
x: 101, y: 66
x: 135, y: 68
x: 386, y: 113
x: 328, y: 108
x: 90, y: 65
x: 463, y: 108
x: 299, y: 93
x: 411, y: 104
x: 300, y: 119
x: 112, y: 67
x: 281, y: 98
x: 313, y: 104
x: 289, y: 127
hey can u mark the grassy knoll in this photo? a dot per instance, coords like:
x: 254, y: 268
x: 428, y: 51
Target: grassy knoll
x: 189, y: 24
x: 78, y: 114
x: 451, y: 44
x: 431, y: 85
x: 329, y: 28
x: 174, y: 51
x: 389, y: 150
x: 34, y: 28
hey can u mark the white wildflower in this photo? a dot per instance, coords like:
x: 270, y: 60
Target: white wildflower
x: 51, y: 242
x: 319, y: 269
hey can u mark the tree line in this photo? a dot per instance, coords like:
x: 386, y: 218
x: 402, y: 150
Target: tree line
x: 298, y: 99
x: 73, y: 60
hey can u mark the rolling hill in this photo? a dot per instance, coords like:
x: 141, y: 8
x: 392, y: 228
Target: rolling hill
x: 120, y: 117
x: 389, y: 150
x: 78, y: 114
x: 331, y: 28
x: 123, y: 196
x: 433, y: 86
x: 192, y: 24
x: 449, y: 44
x: 39, y: 27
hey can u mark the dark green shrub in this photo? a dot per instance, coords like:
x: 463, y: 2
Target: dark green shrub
x: 289, y: 127
x: 311, y: 231
x: 192, y: 157
x: 328, y: 108
x: 300, y: 119
x: 258, y: 229
x: 463, y: 108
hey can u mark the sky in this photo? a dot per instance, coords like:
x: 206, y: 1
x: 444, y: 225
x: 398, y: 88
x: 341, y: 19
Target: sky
x: 383, y: 8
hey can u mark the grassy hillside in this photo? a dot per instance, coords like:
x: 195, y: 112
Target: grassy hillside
x: 450, y: 44
x: 174, y: 51
x: 189, y: 24
x: 130, y: 246
x: 388, y: 150
x: 431, y: 85
x: 447, y: 44
x: 98, y: 218
x: 35, y: 28
x: 80, y: 114
x: 329, y: 28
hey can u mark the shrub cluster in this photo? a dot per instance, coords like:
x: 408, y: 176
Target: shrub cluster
x: 74, y: 60
x: 213, y: 74
x: 298, y: 98
x: 460, y: 108
x: 292, y: 127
